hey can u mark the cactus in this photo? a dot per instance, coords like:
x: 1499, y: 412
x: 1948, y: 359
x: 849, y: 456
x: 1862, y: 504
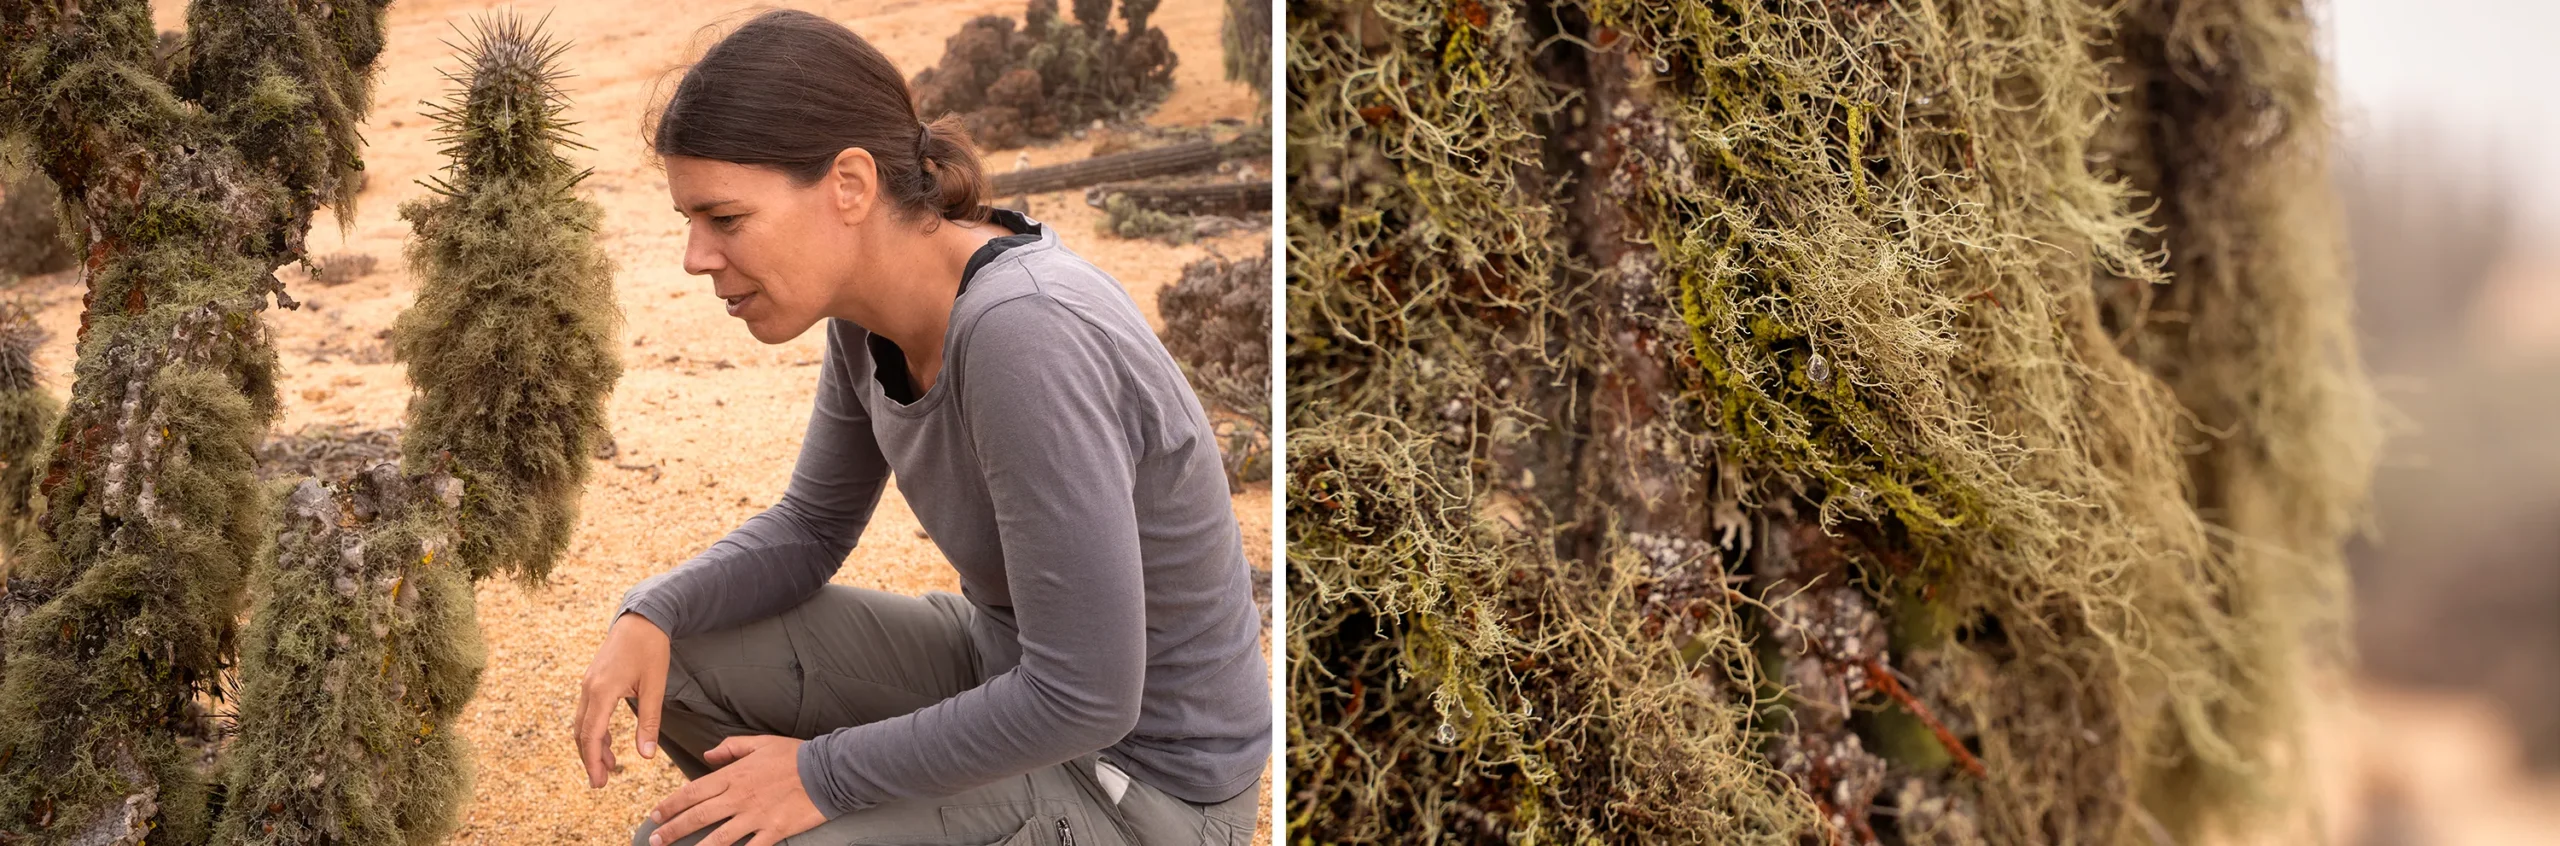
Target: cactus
x: 367, y: 630
x: 191, y: 189
x: 196, y: 173
x: 362, y: 651
x: 1217, y: 324
x: 511, y: 343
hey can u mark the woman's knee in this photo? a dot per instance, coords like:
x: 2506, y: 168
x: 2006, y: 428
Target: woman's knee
x: 739, y: 681
x: 640, y: 836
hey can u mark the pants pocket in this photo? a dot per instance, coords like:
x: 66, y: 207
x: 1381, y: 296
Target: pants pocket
x: 1044, y: 830
x: 1054, y: 823
x: 1028, y: 835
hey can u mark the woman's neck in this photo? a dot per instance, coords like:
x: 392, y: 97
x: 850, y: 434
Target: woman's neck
x: 905, y: 294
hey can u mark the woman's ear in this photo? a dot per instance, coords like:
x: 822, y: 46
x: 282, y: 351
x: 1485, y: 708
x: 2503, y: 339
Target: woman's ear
x: 857, y: 184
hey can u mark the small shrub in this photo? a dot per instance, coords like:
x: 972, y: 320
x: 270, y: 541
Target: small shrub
x: 342, y: 268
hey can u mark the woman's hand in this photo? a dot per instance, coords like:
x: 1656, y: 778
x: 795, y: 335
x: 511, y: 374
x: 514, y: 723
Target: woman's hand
x: 633, y: 663
x: 755, y: 785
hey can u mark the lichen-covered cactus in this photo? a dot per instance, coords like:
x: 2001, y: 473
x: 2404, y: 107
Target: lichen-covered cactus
x: 511, y: 343
x: 26, y: 420
x: 362, y: 652
x: 365, y: 646
x: 1778, y: 422
x: 191, y: 190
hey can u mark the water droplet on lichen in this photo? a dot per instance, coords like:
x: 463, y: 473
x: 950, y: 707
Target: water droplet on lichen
x: 1818, y: 370
x: 1448, y: 734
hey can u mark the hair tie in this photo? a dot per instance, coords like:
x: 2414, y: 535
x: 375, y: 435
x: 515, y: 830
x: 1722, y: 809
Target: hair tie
x: 924, y: 141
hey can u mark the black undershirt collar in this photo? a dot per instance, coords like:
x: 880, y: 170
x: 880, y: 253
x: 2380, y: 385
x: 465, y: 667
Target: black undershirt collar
x: 889, y: 364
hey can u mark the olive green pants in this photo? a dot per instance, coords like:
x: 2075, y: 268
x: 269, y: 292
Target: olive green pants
x: 851, y: 656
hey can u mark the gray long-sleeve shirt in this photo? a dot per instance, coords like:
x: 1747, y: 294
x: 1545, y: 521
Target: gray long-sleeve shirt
x: 1064, y: 467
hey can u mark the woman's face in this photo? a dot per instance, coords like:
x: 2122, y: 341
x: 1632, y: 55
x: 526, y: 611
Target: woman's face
x: 777, y: 253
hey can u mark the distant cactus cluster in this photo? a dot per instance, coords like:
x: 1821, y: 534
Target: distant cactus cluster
x: 1125, y: 218
x: 1015, y: 86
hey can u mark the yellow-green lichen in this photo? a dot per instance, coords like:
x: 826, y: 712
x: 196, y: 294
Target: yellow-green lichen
x: 1849, y: 250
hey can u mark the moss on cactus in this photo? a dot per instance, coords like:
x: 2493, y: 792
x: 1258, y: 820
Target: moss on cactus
x: 511, y: 342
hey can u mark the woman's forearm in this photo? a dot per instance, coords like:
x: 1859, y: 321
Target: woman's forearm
x: 779, y: 557
x: 770, y: 563
x: 1014, y: 723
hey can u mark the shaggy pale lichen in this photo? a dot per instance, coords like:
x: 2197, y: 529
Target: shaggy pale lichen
x: 2219, y: 114
x: 191, y: 190
x: 367, y: 627
x: 1741, y: 371
x: 511, y: 343
x: 361, y: 653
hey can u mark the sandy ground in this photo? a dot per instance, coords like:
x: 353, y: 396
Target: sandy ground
x: 717, y: 414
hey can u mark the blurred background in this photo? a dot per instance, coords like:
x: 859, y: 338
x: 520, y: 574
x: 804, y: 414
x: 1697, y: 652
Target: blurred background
x: 2449, y: 730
